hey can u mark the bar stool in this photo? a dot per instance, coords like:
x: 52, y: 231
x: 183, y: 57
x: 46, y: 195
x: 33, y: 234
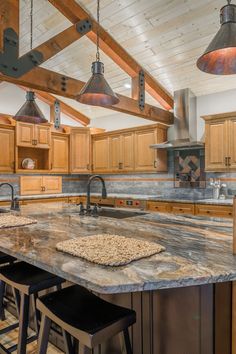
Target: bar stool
x: 83, y: 316
x: 26, y: 280
x: 4, y: 259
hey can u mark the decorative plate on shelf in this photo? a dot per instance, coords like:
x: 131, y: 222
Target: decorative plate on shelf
x: 28, y: 164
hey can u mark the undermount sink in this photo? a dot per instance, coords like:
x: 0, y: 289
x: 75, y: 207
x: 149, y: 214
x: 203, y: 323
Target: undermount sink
x: 119, y: 213
x: 4, y: 210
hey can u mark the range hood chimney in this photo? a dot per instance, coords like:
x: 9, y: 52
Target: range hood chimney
x: 183, y: 134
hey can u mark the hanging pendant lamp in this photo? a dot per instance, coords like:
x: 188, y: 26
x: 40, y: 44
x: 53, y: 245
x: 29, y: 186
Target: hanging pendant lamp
x: 220, y: 56
x: 96, y: 91
x: 30, y: 112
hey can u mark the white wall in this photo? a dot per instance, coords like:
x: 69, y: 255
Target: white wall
x: 220, y: 102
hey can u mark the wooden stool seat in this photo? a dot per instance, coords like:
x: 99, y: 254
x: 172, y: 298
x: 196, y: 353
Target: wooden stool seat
x: 85, y: 316
x: 28, y: 278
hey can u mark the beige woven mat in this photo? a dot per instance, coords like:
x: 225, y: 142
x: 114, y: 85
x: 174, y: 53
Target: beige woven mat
x: 13, y: 221
x: 110, y: 250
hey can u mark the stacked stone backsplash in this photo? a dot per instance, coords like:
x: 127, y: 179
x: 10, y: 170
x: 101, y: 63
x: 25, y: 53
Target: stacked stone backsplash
x: 157, y: 184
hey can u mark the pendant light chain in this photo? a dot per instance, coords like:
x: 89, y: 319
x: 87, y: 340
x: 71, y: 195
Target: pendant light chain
x: 31, y: 24
x: 98, y: 25
x: 229, y: 2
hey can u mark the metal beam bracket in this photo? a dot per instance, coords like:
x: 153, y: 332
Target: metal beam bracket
x: 57, y: 114
x: 141, y: 98
x: 84, y: 26
x: 10, y: 63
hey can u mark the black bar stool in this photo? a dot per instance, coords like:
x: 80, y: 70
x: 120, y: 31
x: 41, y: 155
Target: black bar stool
x: 26, y: 280
x: 4, y: 259
x: 83, y: 316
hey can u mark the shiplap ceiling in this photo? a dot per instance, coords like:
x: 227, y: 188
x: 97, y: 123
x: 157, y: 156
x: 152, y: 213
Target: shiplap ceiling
x: 165, y: 36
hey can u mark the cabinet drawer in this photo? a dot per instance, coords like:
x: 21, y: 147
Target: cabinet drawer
x: 77, y: 200
x: 161, y: 207
x: 223, y: 211
x: 182, y: 208
x: 103, y: 201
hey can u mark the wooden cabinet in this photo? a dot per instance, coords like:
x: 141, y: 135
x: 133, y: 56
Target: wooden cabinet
x: 31, y: 185
x: 7, y: 147
x: 161, y: 207
x: 101, y: 154
x: 220, y: 142
x: 33, y: 135
x: 121, y: 152
x: 60, y: 153
x: 80, y: 150
x: 128, y: 150
x: 223, y: 211
x: 182, y: 208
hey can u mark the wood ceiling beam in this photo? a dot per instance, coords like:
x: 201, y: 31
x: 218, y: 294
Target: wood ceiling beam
x: 74, y: 12
x: 48, y: 81
x: 65, y: 108
x: 9, y: 17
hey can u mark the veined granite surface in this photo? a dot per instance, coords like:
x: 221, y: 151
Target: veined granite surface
x: 198, y: 249
x: 228, y: 201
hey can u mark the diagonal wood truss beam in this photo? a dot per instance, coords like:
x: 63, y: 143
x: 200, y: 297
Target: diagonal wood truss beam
x: 74, y: 12
x: 52, y: 82
x: 65, y: 108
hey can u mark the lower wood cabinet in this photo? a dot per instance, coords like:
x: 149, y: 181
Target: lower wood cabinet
x: 7, y: 156
x: 223, y: 211
x: 31, y: 185
x: 182, y: 208
x: 161, y: 207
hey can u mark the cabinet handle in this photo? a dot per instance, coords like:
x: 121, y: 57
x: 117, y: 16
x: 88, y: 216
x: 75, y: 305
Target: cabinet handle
x: 226, y: 161
x: 155, y: 164
x: 88, y: 166
x: 229, y: 161
x: 36, y: 142
x: 32, y: 142
x: 120, y: 165
x: 92, y: 166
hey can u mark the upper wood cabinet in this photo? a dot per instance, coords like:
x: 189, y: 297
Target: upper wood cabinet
x: 128, y: 150
x: 80, y: 150
x: 33, y: 135
x: 220, y: 142
x: 31, y: 185
x: 60, y: 153
x: 100, y: 154
x: 7, y: 147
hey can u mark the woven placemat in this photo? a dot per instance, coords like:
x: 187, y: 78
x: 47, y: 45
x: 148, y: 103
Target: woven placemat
x: 109, y: 250
x: 13, y: 221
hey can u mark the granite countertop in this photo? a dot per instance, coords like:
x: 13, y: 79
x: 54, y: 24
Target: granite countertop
x: 198, y: 249
x: 228, y: 201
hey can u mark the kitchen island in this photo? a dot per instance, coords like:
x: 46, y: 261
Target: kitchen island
x: 182, y: 296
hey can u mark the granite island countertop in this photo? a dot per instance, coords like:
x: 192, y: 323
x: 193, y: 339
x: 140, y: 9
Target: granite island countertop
x: 198, y: 249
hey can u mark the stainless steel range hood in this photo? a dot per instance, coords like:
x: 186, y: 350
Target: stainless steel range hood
x: 184, y: 131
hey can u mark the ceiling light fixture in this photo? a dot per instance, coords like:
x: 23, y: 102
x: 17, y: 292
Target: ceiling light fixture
x: 96, y: 91
x: 220, y: 56
x: 30, y: 112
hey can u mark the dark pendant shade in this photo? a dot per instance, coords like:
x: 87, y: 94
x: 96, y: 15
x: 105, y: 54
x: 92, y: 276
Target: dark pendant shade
x: 30, y: 112
x: 220, y: 56
x: 96, y: 91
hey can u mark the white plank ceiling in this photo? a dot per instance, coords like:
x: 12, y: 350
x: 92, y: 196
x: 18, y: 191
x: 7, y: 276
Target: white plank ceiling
x: 165, y: 36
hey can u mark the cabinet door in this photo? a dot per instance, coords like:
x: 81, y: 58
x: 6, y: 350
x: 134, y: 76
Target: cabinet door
x: 80, y: 150
x: 145, y: 157
x: 7, y: 150
x: 52, y: 184
x: 30, y: 185
x: 101, y: 154
x: 25, y: 134
x: 115, y: 156
x: 42, y: 136
x: 216, y: 145
x: 127, y: 143
x: 232, y: 144
x: 60, y: 153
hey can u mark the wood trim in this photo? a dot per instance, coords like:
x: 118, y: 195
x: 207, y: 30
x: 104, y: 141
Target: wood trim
x: 74, y: 12
x: 9, y: 17
x: 127, y: 130
x: 219, y: 116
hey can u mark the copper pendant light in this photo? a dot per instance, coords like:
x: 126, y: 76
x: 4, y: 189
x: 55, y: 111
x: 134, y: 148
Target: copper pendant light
x: 220, y: 56
x: 30, y: 112
x: 96, y: 91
